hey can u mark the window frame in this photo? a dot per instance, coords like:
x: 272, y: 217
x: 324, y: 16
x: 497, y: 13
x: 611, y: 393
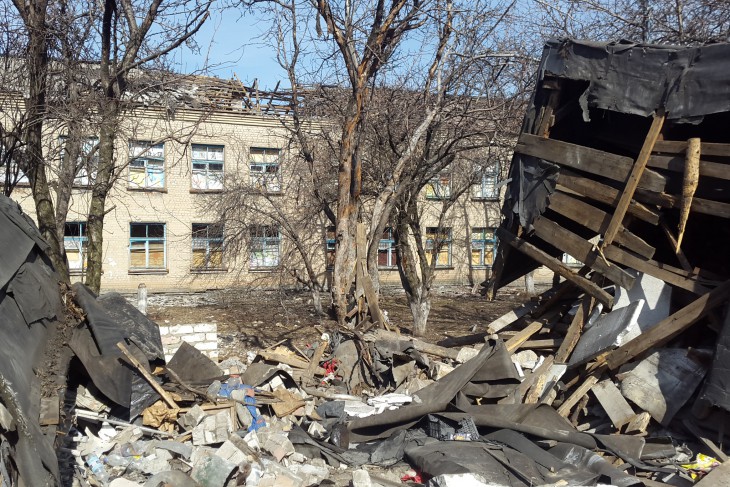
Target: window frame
x: 145, y: 156
x: 489, y: 178
x: 88, y: 144
x: 82, y: 244
x: 207, y: 242
x: 146, y: 241
x: 261, y: 179
x: 330, y: 246
x: 434, y: 187
x: 392, y: 251
x: 432, y: 234
x: 253, y: 263
x: 208, y: 174
x: 485, y: 243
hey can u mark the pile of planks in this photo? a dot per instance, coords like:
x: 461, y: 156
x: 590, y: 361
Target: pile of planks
x: 632, y: 193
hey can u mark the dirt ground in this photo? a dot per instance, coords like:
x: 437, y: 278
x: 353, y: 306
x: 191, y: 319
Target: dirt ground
x: 250, y: 320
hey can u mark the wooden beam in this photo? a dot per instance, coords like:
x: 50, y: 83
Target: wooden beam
x: 627, y: 195
x: 574, y: 330
x: 604, y: 194
x: 652, y: 268
x: 580, y: 249
x: 679, y: 146
x: 522, y: 336
x: 582, y: 390
x: 699, y: 205
x: 586, y: 159
x: 147, y: 376
x: 615, y: 405
x: 668, y: 328
x: 676, y: 164
x: 555, y: 265
x: 675, y: 245
x: 596, y: 220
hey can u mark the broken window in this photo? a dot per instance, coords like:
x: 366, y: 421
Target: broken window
x: 265, y: 168
x: 87, y: 162
x: 146, y: 164
x: 207, y: 246
x: 265, y: 243
x: 387, y: 255
x: 147, y: 249
x: 207, y: 167
x: 75, y: 242
x: 439, y: 187
x: 483, y: 244
x: 439, y: 240
x: 486, y: 188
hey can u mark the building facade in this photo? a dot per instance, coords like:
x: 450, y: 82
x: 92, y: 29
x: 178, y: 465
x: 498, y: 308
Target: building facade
x: 163, y: 229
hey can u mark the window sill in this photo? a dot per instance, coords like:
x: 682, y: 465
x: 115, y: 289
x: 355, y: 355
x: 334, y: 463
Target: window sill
x: 264, y: 269
x: 77, y: 272
x: 485, y: 198
x: 444, y: 268
x: 146, y: 190
x: 481, y: 267
x: 207, y: 270
x: 148, y: 271
x: 388, y: 268
x: 206, y: 191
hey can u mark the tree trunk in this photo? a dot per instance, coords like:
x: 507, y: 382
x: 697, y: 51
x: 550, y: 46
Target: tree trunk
x: 37, y: 63
x: 317, y: 301
x: 348, y: 206
x: 420, y: 308
x: 100, y: 189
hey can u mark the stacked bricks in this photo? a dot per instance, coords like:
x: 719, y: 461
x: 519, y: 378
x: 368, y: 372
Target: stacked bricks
x: 203, y: 336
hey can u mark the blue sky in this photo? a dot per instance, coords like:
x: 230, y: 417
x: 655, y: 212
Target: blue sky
x: 231, y: 44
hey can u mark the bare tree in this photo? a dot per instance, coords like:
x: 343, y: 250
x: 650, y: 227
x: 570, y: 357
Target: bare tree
x: 133, y: 35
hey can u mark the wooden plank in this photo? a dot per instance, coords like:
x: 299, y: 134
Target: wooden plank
x: 652, y: 268
x: 314, y: 362
x: 522, y: 336
x: 675, y: 245
x: 668, y: 328
x: 580, y: 249
x: 597, y: 220
x: 627, y: 195
x: 541, y: 344
x: 679, y: 146
x: 511, y: 316
x: 586, y: 159
x: 155, y: 385
x: 604, y: 194
x: 582, y: 390
x: 529, y: 381
x: 699, y: 205
x: 290, y: 360
x: 555, y: 265
x: 676, y: 164
x: 611, y: 400
x: 574, y: 330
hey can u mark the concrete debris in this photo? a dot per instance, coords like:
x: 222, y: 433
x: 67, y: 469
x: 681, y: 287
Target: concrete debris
x: 615, y: 376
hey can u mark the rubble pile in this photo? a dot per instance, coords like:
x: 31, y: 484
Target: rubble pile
x: 615, y: 376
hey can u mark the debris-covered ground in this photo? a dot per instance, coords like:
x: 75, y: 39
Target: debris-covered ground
x: 618, y: 375
x: 256, y: 318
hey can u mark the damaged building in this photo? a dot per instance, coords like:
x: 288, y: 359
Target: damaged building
x: 615, y: 376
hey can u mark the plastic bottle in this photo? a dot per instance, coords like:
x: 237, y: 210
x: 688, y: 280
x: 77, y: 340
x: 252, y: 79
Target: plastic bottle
x: 97, y: 468
x: 117, y: 460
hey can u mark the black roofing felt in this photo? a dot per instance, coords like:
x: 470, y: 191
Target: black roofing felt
x: 688, y: 82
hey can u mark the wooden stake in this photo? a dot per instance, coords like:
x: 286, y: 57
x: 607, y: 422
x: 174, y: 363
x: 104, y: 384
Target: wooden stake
x: 137, y: 365
x: 689, y: 185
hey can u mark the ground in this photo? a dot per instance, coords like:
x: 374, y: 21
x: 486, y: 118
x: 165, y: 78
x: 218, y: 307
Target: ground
x: 249, y: 320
